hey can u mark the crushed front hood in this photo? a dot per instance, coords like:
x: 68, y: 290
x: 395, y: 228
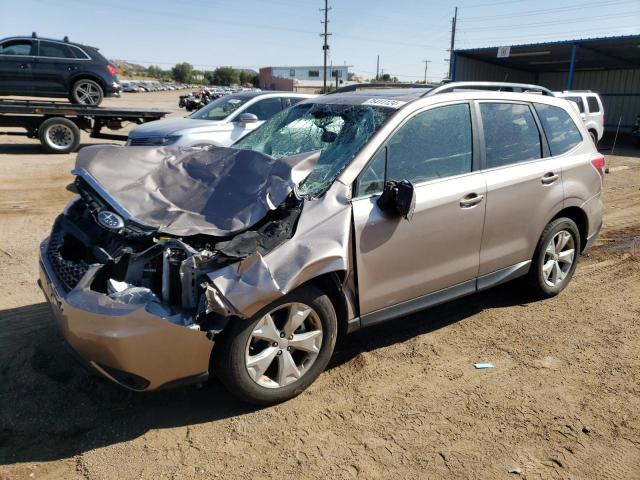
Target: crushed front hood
x: 217, y: 192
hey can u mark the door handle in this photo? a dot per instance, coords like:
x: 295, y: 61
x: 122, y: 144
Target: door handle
x: 71, y: 68
x: 24, y: 65
x: 549, y: 178
x: 470, y: 200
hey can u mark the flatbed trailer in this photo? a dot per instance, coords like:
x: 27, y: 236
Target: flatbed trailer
x: 57, y: 124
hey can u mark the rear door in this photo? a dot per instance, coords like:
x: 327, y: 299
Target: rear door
x: 16, y: 66
x: 524, y: 185
x: 55, y: 63
x: 399, y: 260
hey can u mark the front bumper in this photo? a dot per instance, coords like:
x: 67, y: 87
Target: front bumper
x: 125, y: 343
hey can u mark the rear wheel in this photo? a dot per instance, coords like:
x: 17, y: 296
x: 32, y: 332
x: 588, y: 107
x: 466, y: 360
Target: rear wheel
x: 556, y: 257
x: 280, y: 351
x: 59, y: 135
x: 86, y: 92
x: 594, y: 137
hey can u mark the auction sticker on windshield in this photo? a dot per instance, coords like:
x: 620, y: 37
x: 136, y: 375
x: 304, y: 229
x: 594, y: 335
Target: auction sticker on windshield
x: 384, y: 102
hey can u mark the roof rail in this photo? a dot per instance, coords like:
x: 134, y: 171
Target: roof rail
x: 499, y: 86
x: 381, y: 85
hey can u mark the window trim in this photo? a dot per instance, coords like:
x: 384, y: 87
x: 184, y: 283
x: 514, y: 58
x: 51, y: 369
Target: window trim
x: 475, y: 148
x: 87, y: 57
x: 545, y: 152
x: 34, y: 47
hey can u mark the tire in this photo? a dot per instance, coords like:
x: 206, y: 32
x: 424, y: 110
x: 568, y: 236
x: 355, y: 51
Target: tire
x: 243, y: 341
x: 86, y: 92
x: 547, y: 282
x: 59, y: 135
x: 594, y: 137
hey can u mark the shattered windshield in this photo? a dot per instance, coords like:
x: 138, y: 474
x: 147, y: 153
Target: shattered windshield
x: 221, y: 108
x: 338, y: 132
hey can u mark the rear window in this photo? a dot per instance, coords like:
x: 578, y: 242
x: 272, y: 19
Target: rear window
x: 562, y: 133
x: 511, y: 134
x: 594, y: 106
x: 54, y: 50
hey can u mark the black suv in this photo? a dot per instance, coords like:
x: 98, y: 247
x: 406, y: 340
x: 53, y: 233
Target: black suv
x: 42, y: 67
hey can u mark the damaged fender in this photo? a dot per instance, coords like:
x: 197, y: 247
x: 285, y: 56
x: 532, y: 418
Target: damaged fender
x: 320, y: 245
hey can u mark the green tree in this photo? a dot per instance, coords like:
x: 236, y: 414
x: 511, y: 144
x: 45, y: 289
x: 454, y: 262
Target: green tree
x: 226, y: 76
x: 386, y: 77
x: 182, y: 72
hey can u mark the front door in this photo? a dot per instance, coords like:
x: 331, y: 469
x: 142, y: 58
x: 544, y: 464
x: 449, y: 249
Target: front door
x: 16, y: 65
x: 399, y: 260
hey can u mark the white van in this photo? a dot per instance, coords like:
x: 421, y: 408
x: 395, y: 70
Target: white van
x: 591, y: 110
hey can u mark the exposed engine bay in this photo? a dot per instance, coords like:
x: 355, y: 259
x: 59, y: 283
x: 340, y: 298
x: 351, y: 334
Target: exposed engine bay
x: 144, y: 264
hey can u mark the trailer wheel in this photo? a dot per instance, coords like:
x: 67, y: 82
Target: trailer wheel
x: 59, y: 135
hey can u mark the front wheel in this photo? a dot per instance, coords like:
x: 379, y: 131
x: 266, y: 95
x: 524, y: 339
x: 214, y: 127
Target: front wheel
x: 278, y: 353
x: 86, y: 92
x: 556, y: 257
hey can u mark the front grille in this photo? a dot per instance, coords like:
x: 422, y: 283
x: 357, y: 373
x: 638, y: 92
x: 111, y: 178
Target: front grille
x: 142, y: 142
x: 68, y: 272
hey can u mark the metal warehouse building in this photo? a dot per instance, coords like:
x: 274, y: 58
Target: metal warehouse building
x: 609, y: 66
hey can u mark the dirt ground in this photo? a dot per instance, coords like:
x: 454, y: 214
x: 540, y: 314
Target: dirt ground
x: 400, y: 400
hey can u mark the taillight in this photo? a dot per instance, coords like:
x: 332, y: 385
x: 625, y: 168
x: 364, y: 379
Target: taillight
x: 598, y: 163
x: 111, y: 69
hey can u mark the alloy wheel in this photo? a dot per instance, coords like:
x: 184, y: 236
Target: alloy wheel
x: 284, y: 345
x: 87, y: 93
x: 558, y: 258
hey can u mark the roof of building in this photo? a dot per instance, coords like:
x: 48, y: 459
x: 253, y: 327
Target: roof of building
x: 604, y: 53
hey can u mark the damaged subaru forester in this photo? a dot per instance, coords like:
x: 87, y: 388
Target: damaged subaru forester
x: 344, y: 211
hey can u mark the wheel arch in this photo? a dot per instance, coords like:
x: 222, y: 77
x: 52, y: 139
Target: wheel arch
x: 332, y: 283
x: 580, y: 218
x: 87, y: 76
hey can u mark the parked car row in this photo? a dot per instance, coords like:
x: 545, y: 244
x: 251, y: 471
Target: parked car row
x: 339, y: 212
x: 134, y: 86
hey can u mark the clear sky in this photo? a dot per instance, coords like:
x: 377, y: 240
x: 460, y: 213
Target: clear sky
x: 253, y: 33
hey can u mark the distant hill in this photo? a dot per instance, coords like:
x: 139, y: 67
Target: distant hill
x: 129, y: 67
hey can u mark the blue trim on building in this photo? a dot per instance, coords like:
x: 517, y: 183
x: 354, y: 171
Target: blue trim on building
x: 572, y: 65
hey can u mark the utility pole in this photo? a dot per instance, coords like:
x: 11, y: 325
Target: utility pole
x: 453, y: 41
x: 426, y: 63
x: 325, y: 47
x: 378, y: 68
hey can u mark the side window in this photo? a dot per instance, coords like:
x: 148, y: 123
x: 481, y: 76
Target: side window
x: 78, y: 53
x: 56, y: 50
x: 436, y: 143
x: 593, y: 104
x: 510, y: 133
x: 562, y: 133
x: 17, y: 47
x: 289, y: 101
x: 577, y: 100
x: 265, y: 109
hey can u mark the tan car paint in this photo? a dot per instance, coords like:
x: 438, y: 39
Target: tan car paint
x: 396, y: 260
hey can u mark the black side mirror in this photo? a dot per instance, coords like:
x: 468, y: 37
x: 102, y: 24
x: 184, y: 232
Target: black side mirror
x: 398, y: 199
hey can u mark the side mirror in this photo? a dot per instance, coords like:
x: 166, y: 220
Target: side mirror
x: 247, y: 118
x: 398, y: 199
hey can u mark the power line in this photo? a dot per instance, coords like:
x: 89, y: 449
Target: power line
x: 566, y: 8
x: 554, y: 22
